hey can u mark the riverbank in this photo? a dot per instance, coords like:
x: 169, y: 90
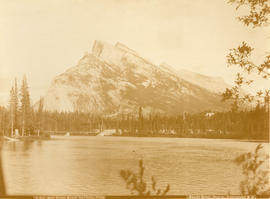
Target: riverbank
x: 168, y: 134
x: 197, y: 137
x: 48, y: 136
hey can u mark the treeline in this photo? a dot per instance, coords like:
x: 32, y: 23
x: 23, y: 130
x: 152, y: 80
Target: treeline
x: 19, y: 114
x: 252, y: 124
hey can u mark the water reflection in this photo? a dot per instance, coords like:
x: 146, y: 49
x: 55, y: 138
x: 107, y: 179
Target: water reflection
x: 18, y: 146
x: 22, y: 146
x: 91, y: 165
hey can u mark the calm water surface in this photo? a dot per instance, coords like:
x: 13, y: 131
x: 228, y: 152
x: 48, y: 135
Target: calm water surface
x: 91, y: 165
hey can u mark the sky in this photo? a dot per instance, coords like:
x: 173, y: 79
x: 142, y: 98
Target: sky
x: 43, y: 38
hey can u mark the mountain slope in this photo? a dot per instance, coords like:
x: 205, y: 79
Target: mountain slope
x: 116, y: 79
x: 213, y: 84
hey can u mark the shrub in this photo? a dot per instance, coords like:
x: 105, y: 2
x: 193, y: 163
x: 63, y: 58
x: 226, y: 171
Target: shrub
x: 137, y: 185
x: 255, y: 167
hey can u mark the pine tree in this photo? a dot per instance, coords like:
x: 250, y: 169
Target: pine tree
x: 140, y: 119
x: 40, y: 114
x: 16, y: 125
x: 25, y: 106
x: 12, y: 110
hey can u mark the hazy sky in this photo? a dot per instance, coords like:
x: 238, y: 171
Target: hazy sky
x: 42, y: 38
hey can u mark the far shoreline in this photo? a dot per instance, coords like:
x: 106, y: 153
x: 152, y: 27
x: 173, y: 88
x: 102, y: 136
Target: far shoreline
x: 166, y: 136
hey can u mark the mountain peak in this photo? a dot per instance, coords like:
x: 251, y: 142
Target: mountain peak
x: 125, y: 48
x: 114, y: 79
x: 107, y: 52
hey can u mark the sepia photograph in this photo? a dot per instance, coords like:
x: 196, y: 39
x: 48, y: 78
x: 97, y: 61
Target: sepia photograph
x: 134, y: 99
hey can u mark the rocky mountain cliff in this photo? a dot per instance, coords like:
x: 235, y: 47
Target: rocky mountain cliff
x: 115, y: 79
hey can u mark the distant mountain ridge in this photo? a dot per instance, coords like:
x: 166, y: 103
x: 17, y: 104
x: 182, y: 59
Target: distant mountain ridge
x: 115, y: 79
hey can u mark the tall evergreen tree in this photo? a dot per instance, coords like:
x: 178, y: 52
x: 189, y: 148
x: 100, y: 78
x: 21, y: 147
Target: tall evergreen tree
x: 40, y: 115
x: 25, y: 106
x: 12, y: 110
x: 140, y: 118
x: 16, y: 125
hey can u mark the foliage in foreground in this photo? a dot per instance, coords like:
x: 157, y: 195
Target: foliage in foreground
x: 137, y: 185
x: 257, y: 14
x: 255, y: 167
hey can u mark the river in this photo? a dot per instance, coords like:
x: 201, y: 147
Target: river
x: 91, y: 165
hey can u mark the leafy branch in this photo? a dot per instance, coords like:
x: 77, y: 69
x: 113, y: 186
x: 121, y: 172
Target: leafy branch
x: 137, y: 185
x: 240, y: 57
x: 259, y: 11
